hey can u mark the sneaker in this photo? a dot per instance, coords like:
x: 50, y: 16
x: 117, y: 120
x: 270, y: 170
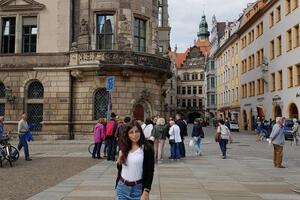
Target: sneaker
x: 28, y: 159
x: 281, y: 166
x: 224, y: 157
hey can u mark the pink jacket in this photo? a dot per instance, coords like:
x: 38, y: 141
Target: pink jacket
x: 99, y: 133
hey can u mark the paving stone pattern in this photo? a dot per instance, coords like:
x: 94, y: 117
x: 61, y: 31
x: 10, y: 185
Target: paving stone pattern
x: 243, y: 176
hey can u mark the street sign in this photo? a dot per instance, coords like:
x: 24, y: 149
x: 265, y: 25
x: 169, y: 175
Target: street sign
x: 110, y: 83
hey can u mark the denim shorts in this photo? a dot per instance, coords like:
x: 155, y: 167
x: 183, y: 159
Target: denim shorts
x: 124, y: 192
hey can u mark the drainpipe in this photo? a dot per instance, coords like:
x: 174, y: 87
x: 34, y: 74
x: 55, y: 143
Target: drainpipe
x: 71, y: 119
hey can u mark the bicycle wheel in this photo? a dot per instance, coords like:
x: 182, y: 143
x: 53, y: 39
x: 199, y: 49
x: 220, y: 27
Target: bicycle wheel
x: 91, y: 148
x: 7, y: 156
x: 14, y: 153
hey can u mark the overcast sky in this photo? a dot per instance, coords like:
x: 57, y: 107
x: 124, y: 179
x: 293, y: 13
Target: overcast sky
x: 185, y: 16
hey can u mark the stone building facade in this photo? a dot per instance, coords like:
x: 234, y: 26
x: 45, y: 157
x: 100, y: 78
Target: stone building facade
x: 55, y: 70
x: 191, y: 79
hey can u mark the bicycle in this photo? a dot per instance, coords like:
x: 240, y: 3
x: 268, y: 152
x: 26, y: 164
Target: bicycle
x: 8, y: 152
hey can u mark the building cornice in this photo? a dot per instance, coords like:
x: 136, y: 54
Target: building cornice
x: 229, y: 41
x: 243, y: 28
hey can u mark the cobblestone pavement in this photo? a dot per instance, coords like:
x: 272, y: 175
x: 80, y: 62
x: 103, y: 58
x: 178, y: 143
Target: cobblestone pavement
x: 26, y: 179
x: 247, y: 174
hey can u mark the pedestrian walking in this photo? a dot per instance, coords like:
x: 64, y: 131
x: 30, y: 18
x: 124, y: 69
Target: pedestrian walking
x: 197, y: 135
x: 110, y: 139
x: 23, y: 128
x: 258, y: 129
x: 277, y: 139
x: 175, y: 140
x: 296, y: 132
x: 160, y: 134
x: 223, y: 137
x: 183, y: 132
x: 99, y: 137
x: 135, y: 165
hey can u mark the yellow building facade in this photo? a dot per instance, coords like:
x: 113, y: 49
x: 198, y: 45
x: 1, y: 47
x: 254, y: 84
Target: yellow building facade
x: 228, y: 74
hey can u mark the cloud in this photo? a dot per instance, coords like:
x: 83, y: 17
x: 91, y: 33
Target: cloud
x: 185, y: 16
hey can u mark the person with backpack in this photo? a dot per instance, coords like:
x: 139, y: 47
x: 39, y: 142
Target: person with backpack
x: 197, y: 135
x: 99, y: 136
x: 110, y: 139
x: 223, y: 137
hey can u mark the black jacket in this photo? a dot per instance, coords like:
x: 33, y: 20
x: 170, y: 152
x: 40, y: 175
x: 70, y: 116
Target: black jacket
x: 148, y: 167
x: 183, y: 128
x: 197, y: 131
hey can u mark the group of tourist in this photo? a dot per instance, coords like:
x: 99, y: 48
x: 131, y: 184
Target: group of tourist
x: 156, y: 131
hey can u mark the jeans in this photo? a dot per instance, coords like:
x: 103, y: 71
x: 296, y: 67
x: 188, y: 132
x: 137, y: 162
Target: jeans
x: 23, y: 143
x: 158, y: 148
x: 223, y: 143
x: 182, y: 148
x: 278, y: 154
x: 175, y: 151
x: 97, y: 149
x: 197, y: 142
x: 124, y: 192
x: 111, y: 148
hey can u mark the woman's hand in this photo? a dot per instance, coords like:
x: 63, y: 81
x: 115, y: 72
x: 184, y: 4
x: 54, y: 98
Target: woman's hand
x: 145, y: 196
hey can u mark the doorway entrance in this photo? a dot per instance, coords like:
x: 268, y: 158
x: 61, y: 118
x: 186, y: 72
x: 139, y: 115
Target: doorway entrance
x: 138, y: 112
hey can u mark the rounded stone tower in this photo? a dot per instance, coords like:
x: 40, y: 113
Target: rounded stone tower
x: 116, y: 38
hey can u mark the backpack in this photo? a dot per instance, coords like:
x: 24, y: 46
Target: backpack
x: 110, y: 127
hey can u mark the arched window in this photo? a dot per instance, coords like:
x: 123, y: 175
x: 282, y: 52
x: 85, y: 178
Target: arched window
x: 100, y: 103
x: 2, y: 99
x: 35, y: 91
x: 34, y: 102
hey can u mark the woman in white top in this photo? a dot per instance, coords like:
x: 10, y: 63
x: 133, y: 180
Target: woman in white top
x: 135, y: 165
x: 225, y: 136
x: 174, y: 140
x: 147, y: 129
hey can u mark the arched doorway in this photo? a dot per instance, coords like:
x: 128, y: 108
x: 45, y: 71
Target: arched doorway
x: 138, y: 112
x: 245, y: 120
x: 252, y: 120
x: 277, y: 111
x: 293, y: 111
x: 192, y: 116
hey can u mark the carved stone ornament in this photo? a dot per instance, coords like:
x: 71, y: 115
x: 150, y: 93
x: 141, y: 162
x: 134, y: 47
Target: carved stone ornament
x: 77, y: 74
x: 84, y: 27
x: 27, y: 5
x: 145, y: 94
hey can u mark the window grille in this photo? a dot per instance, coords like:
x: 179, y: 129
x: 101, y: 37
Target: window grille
x: 35, y: 116
x: 2, y: 109
x: 2, y: 90
x: 100, y: 103
x: 35, y: 91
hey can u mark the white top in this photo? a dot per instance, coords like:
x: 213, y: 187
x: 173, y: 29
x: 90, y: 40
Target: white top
x: 225, y: 132
x: 133, y: 170
x: 147, y: 129
x: 174, y: 133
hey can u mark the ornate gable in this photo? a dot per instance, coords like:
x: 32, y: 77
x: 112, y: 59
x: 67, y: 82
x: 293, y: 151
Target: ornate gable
x: 20, y: 5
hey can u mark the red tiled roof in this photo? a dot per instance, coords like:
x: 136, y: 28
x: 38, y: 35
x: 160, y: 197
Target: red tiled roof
x: 204, y: 47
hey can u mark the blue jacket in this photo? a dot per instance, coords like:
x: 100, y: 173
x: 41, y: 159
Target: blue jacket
x: 28, y: 136
x: 277, y: 135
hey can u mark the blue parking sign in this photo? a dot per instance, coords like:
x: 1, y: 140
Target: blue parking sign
x: 110, y: 83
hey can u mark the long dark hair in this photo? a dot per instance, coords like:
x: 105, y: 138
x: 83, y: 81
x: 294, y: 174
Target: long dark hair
x: 126, y: 143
